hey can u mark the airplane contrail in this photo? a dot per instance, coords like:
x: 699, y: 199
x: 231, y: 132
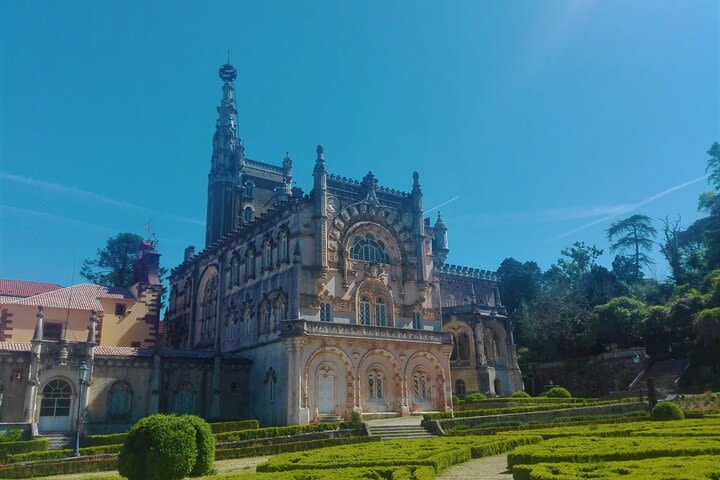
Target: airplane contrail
x: 442, y: 204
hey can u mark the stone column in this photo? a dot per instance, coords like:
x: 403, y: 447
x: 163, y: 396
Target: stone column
x: 215, y: 401
x: 297, y: 413
x: 154, y: 404
x: 480, y: 345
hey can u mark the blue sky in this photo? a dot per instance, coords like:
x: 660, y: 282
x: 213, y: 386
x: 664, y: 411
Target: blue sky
x: 543, y: 120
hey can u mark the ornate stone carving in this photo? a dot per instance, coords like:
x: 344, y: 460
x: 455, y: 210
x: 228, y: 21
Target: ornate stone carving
x: 323, y: 329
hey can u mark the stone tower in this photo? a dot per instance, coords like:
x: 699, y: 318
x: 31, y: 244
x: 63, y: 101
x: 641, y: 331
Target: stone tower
x: 224, y: 192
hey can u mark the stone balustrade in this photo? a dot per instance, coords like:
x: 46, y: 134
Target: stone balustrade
x: 292, y: 328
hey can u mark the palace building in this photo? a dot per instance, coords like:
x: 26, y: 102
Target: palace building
x: 300, y: 308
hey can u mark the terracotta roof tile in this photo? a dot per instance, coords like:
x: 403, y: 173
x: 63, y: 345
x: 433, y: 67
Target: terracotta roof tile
x: 23, y: 288
x: 15, y: 346
x: 79, y: 297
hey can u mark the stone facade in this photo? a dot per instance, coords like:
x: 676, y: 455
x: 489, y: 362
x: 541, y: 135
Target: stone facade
x: 300, y: 308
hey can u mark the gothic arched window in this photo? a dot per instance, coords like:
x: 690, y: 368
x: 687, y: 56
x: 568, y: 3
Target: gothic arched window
x: 365, y: 310
x: 209, y: 307
x: 417, y: 321
x: 283, y: 247
x: 267, y: 255
x: 119, y: 400
x: 325, y: 312
x: 249, y: 263
x: 278, y: 311
x: 184, y: 399
x: 463, y: 346
x: 460, y: 387
x: 264, y: 317
x: 380, y: 313
x: 376, y: 384
x: 421, y: 390
x: 368, y: 249
x: 271, y: 382
x: 248, y: 214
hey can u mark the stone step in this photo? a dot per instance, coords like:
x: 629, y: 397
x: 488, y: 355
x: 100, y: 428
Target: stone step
x: 398, y: 431
x: 58, y: 441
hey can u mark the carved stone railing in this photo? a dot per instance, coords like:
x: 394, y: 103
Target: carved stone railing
x: 291, y: 328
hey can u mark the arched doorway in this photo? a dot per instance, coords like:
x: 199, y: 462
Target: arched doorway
x: 55, y: 406
x: 326, y: 389
x: 498, y: 387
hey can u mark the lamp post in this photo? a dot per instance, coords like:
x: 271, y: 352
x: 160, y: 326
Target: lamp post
x: 83, y: 371
x: 636, y: 361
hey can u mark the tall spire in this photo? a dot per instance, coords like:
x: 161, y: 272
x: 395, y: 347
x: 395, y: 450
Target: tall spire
x: 226, y: 162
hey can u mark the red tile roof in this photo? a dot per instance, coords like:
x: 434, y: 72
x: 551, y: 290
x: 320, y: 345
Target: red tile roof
x: 15, y: 346
x: 22, y: 288
x: 78, y: 297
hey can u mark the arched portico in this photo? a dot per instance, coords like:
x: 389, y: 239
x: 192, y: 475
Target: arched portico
x: 328, y: 383
x: 386, y: 396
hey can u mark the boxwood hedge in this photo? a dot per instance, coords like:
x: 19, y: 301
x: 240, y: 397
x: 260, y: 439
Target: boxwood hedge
x: 274, y: 432
x: 10, y: 448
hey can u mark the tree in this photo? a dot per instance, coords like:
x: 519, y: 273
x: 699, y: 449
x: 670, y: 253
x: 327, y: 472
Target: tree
x: 624, y: 268
x: 519, y: 283
x: 713, y: 165
x: 580, y: 259
x: 635, y: 234
x: 621, y: 321
x: 113, y: 266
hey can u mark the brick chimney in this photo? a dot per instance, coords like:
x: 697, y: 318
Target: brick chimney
x: 147, y: 267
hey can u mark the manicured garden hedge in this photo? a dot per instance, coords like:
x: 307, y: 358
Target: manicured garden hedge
x: 601, y: 449
x: 75, y: 465
x: 12, y: 435
x: 497, y: 411
x: 438, y: 453
x: 10, y: 448
x: 261, y: 450
x: 234, y: 426
x: 275, y: 432
x: 699, y: 467
x: 111, y: 439
x: 667, y: 411
x: 65, y: 453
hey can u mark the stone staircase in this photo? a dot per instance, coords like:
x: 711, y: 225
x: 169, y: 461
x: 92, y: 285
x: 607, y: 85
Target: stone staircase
x: 59, y: 441
x: 387, y: 431
x: 665, y: 374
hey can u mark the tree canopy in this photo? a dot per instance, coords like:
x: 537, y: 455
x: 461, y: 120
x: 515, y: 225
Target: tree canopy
x: 636, y: 235
x: 113, y: 265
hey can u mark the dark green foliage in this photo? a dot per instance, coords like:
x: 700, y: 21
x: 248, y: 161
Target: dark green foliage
x: 667, y: 411
x: 66, y: 466
x: 65, y: 453
x: 159, y: 447
x: 455, y: 400
x: 520, y: 394
x: 234, y: 426
x: 113, y: 266
x: 621, y: 321
x: 274, y: 432
x: 10, y: 448
x: 260, y: 450
x: 557, y: 392
x: 205, y: 445
x: 13, y: 435
x: 110, y: 439
x: 474, y: 397
x: 634, y: 235
x: 356, y: 418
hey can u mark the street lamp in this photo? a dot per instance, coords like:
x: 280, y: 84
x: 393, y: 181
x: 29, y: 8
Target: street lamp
x: 83, y: 371
x: 636, y: 361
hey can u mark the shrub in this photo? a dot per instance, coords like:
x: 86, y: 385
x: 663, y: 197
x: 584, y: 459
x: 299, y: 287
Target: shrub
x: 10, y: 448
x: 234, y: 426
x: 520, y: 394
x: 274, y: 432
x: 455, y: 400
x: 111, y: 439
x: 13, y: 435
x: 75, y: 465
x: 667, y: 411
x: 557, y: 392
x: 356, y: 418
x: 158, y: 447
x: 474, y: 397
x: 58, y: 454
x: 259, y: 450
x: 205, y: 444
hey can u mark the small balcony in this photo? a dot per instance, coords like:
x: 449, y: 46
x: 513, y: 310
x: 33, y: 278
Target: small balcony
x: 292, y: 328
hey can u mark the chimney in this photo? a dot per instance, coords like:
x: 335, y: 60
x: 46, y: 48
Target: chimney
x: 189, y: 253
x: 147, y: 267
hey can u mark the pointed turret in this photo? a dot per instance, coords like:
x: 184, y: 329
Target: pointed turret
x: 320, y: 194
x: 440, y: 242
x: 227, y: 157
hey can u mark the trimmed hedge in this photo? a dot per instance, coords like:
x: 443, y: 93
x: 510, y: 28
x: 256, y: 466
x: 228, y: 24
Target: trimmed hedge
x: 66, y: 466
x: 520, y: 394
x: 605, y: 449
x: 159, y: 447
x: 234, y: 426
x: 557, y: 392
x: 438, y: 453
x: 10, y: 448
x: 275, y: 432
x: 111, y: 439
x: 12, y: 435
x: 496, y: 411
x: 205, y: 445
x: 474, y: 397
x: 261, y: 450
x: 65, y: 453
x: 667, y: 411
x: 652, y: 469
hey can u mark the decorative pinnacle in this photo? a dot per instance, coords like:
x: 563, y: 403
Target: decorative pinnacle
x: 227, y: 73
x: 320, y: 152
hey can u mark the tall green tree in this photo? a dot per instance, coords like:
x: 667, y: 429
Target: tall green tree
x: 577, y: 260
x: 636, y: 235
x: 713, y: 166
x: 113, y: 265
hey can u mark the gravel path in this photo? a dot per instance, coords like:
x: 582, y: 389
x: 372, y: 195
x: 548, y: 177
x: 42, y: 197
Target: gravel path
x: 486, y: 468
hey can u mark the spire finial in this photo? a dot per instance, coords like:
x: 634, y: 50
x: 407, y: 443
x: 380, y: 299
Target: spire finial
x: 320, y: 152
